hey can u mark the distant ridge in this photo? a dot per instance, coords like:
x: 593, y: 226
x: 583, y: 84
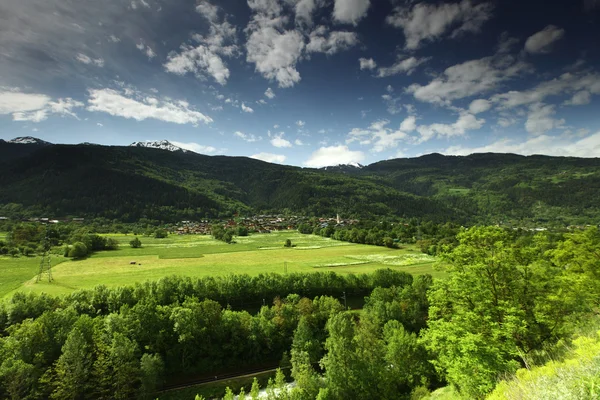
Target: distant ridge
x: 28, y: 140
x: 159, y: 144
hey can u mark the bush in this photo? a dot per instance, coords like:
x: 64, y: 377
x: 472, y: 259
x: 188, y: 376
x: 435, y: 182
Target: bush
x: 136, y: 243
x: 111, y: 244
x: 160, y: 234
x: 78, y: 250
x: 288, y: 243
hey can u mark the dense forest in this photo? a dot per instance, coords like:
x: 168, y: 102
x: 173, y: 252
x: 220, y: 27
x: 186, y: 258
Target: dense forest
x: 133, y: 183
x: 509, y: 300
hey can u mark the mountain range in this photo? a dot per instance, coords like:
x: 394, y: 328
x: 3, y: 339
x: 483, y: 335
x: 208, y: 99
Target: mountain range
x: 160, y: 181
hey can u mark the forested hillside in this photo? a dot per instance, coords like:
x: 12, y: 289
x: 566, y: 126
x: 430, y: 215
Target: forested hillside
x: 129, y: 183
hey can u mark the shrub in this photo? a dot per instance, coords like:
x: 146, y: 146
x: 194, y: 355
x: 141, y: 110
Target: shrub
x: 136, y: 243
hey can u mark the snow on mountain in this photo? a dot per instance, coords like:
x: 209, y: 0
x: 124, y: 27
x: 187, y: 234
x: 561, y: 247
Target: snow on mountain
x: 344, y: 167
x: 28, y: 140
x: 159, y: 144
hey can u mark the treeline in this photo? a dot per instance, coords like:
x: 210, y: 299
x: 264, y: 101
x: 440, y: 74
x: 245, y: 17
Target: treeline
x: 430, y: 236
x: 123, y: 342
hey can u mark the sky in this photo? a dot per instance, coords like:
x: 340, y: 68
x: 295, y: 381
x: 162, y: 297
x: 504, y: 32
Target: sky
x: 305, y: 82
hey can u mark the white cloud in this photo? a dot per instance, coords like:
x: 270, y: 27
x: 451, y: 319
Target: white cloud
x: 207, y: 57
x: 247, y: 109
x: 323, y: 41
x: 540, y: 119
x: 300, y: 123
x: 379, y: 135
x: 247, y: 137
x: 273, y: 50
x: 350, y: 11
x: 279, y: 141
x: 543, y: 144
x: 269, y: 93
x: 468, y: 79
x: 464, y: 123
x: 82, y: 58
x: 409, y: 124
x: 269, y: 157
x: 115, y: 103
x: 367, y: 63
x: 334, y: 155
x: 298, y: 142
x: 566, y: 83
x: 31, y: 107
x: 428, y: 22
x: 195, y: 147
x: 579, y: 99
x: 480, y: 105
x: 99, y: 124
x: 407, y: 65
x: 114, y: 39
x: 11, y: 102
x: 541, y: 42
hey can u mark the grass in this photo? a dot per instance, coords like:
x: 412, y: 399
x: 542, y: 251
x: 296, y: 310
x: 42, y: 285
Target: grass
x: 197, y: 256
x: 16, y: 271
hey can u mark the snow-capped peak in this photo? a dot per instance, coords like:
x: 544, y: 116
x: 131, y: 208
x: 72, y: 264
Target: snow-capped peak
x: 28, y: 140
x: 159, y: 144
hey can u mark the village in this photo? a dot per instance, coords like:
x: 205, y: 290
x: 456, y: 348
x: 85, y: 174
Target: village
x: 258, y: 224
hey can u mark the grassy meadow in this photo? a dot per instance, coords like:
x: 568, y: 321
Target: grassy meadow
x: 197, y: 255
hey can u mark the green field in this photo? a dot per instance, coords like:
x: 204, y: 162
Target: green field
x: 196, y: 256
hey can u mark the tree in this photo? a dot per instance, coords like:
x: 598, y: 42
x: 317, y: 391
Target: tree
x: 500, y: 301
x: 160, y: 234
x: 151, y: 372
x: 288, y: 243
x: 78, y: 250
x: 136, y: 243
x: 73, y: 368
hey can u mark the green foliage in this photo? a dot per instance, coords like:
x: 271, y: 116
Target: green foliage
x: 288, y: 243
x: 78, y: 250
x: 502, y: 300
x: 575, y: 377
x: 135, y: 243
x: 160, y: 234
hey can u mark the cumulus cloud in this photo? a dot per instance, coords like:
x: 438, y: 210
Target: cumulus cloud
x: 540, y: 119
x: 409, y: 124
x: 247, y: 137
x: 32, y: 107
x: 367, y: 63
x: 247, y: 109
x: 273, y: 50
x: 206, y: 57
x: 402, y: 66
x: 323, y: 41
x: 480, y: 105
x: 139, y: 107
x: 543, y: 144
x: 279, y: 141
x: 334, y: 155
x: 269, y: 93
x: 427, y: 22
x: 464, y: 123
x: 269, y: 157
x: 147, y: 50
x: 565, y: 84
x: 541, y: 42
x: 350, y: 11
x: 300, y: 123
x: 195, y: 147
x: 379, y: 135
x: 469, y: 78
x: 298, y: 142
x: 580, y: 98
x: 82, y: 58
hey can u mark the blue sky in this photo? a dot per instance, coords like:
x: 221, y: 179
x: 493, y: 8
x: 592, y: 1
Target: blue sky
x: 305, y: 82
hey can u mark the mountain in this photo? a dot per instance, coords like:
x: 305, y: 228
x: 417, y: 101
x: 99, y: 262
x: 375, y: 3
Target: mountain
x: 159, y: 144
x: 20, y: 147
x: 132, y: 182
x: 29, y: 140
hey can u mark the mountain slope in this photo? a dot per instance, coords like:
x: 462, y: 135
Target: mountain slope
x: 134, y: 182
